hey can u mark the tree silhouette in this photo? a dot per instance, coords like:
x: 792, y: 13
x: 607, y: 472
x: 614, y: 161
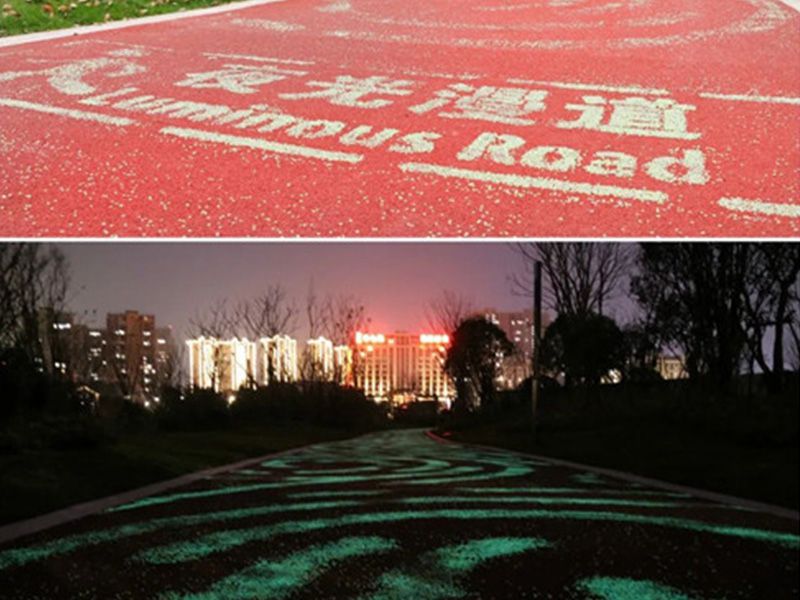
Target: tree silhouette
x: 477, y: 348
x: 581, y: 276
x: 585, y: 348
x: 696, y: 294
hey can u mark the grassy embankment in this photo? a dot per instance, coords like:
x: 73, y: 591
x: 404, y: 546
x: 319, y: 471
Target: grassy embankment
x: 26, y: 16
x: 38, y: 481
x: 745, y: 446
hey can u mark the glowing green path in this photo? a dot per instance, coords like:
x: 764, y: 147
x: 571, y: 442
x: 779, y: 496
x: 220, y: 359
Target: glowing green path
x: 435, y: 575
x: 278, y: 579
x: 395, y: 515
x: 615, y: 588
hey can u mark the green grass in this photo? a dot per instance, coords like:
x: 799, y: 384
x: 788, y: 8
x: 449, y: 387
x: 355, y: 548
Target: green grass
x: 25, y: 16
x: 39, y: 481
x: 663, y: 451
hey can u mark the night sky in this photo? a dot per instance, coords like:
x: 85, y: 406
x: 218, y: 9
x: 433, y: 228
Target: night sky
x: 394, y: 280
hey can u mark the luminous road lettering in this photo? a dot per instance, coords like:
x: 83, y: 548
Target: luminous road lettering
x: 381, y: 118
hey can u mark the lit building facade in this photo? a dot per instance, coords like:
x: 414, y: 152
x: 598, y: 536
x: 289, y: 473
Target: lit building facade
x: 343, y: 365
x: 223, y: 365
x: 319, y: 359
x: 277, y: 359
x: 671, y: 367
x: 130, y: 356
x: 402, y: 366
x: 518, y: 327
x: 164, y: 354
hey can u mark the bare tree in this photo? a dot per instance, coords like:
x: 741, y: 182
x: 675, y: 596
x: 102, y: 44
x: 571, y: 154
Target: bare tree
x: 126, y: 369
x: 696, y: 294
x: 34, y: 283
x: 268, y: 314
x: 336, y: 318
x: 771, y: 301
x: 314, y: 311
x: 169, y: 365
x: 218, y: 322
x: 345, y: 316
x: 446, y: 312
x: 582, y: 276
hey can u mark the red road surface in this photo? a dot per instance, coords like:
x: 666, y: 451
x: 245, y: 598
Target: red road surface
x: 409, y: 118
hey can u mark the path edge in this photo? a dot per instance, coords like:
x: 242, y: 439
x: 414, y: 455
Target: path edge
x: 18, y: 529
x: 763, y: 507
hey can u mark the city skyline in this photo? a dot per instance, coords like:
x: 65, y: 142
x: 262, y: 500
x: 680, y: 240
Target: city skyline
x: 394, y: 281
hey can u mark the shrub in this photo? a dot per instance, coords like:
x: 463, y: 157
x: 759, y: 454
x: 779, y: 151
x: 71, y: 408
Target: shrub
x: 193, y: 410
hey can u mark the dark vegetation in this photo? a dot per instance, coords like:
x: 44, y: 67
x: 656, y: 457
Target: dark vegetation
x: 743, y: 443
x: 62, y: 442
x: 58, y: 447
x: 730, y: 312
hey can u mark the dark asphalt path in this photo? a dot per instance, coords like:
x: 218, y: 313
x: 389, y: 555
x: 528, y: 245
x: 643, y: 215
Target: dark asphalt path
x: 398, y: 515
x: 411, y: 118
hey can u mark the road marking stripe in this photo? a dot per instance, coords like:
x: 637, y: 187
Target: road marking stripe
x: 525, y: 181
x: 634, y: 89
x: 83, y: 115
x: 287, y: 61
x: 751, y: 98
x: 759, y: 206
x: 261, y: 144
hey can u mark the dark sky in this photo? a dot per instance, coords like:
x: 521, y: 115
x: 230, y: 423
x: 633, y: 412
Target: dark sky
x: 394, y: 280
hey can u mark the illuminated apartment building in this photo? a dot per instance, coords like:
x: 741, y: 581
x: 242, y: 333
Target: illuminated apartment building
x: 130, y: 356
x: 166, y: 366
x: 402, y: 366
x: 518, y: 327
x: 277, y: 359
x: 319, y: 359
x: 343, y: 365
x: 224, y: 365
x: 671, y: 367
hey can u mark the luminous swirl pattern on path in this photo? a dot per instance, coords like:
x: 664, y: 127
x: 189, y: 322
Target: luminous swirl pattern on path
x: 398, y: 515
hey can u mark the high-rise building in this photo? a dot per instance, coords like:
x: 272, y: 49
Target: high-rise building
x: 319, y: 359
x: 59, y: 337
x: 130, y: 356
x: 165, y: 359
x: 402, y: 366
x: 223, y: 365
x: 518, y: 327
x: 131, y: 353
x: 277, y: 359
x: 96, y: 349
x: 343, y: 365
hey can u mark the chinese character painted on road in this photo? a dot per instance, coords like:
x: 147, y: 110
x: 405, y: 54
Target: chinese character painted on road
x: 633, y: 116
x: 350, y: 91
x: 69, y: 78
x: 239, y: 79
x: 486, y: 103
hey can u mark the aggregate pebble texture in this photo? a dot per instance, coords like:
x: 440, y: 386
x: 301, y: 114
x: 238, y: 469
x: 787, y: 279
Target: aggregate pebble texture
x: 405, y: 118
x: 398, y: 515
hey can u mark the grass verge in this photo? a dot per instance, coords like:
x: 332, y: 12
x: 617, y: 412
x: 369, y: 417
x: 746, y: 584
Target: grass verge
x: 663, y: 451
x: 27, y: 16
x: 35, y: 482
